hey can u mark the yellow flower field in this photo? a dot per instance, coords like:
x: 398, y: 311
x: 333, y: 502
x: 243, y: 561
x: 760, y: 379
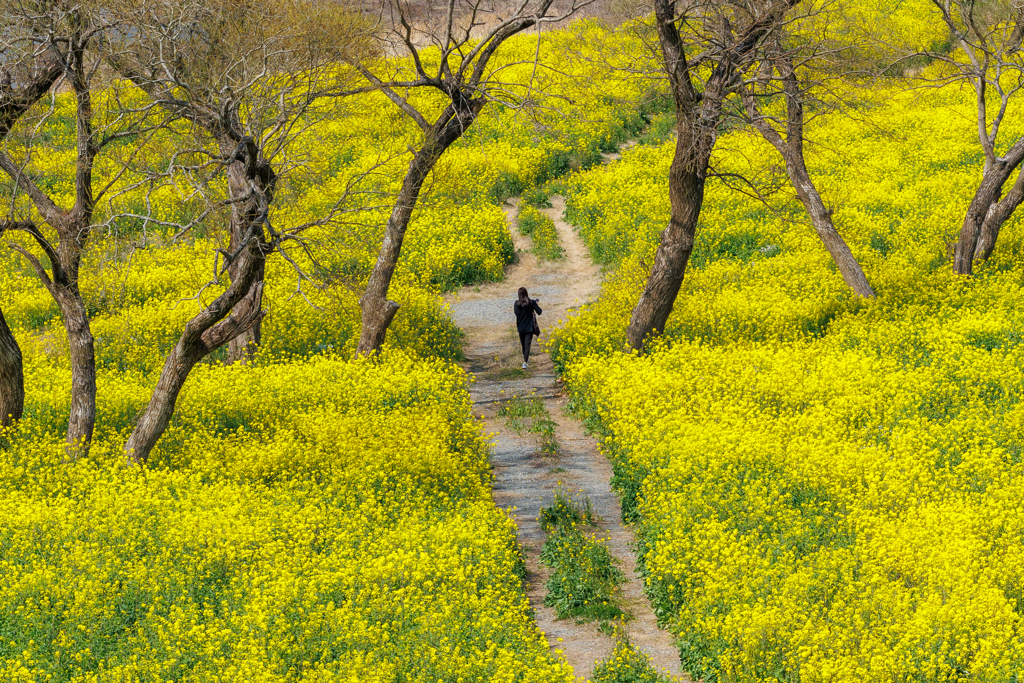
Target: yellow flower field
x: 305, y: 517
x: 826, y: 489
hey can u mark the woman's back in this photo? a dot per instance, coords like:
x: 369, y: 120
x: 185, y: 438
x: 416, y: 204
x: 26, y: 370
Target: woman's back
x: 524, y: 315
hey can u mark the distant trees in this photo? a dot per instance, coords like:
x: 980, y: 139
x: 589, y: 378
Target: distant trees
x: 986, y: 55
x: 467, y: 35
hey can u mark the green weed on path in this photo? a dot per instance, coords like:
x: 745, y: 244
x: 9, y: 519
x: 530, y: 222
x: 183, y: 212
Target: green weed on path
x: 542, y: 231
x: 529, y: 414
x: 585, y: 576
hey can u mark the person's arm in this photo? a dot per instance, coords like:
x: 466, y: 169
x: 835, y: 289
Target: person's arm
x: 536, y: 307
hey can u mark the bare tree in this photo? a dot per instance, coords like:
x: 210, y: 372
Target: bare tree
x: 705, y: 46
x: 986, y: 38
x: 245, y: 76
x: 27, y: 72
x: 66, y: 33
x: 467, y: 35
x: 776, y: 74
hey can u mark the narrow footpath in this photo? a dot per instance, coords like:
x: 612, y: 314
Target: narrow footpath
x: 526, y: 478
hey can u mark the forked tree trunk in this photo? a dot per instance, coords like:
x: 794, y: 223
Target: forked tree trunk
x: 377, y: 310
x: 997, y: 215
x: 12, y: 381
x: 697, y: 119
x: 231, y: 314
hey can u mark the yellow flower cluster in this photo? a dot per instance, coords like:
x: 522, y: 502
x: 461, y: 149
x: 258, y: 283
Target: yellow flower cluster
x: 826, y: 489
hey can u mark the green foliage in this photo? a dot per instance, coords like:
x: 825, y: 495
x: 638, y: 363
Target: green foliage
x: 585, y: 576
x: 529, y: 414
x: 566, y: 512
x: 538, y: 197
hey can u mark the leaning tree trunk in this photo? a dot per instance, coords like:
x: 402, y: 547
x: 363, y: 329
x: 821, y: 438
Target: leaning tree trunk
x: 203, y: 334
x: 792, y: 150
x: 996, y: 216
x: 12, y: 381
x: 686, y: 193
x: 240, y: 304
x: 378, y: 311
x: 821, y: 219
x: 983, y: 205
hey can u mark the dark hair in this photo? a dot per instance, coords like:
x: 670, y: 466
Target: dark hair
x: 524, y: 297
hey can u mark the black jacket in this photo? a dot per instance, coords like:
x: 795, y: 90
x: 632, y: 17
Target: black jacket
x: 524, y: 316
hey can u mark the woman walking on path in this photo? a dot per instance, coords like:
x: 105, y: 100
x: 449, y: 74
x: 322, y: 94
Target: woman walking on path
x: 526, y: 310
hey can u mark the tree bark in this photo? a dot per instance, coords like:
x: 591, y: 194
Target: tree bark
x: 686, y: 193
x: 686, y: 178
x: 13, y: 104
x: 986, y: 207
x: 377, y: 310
x: 244, y: 211
x: 204, y: 333
x: 997, y: 215
x: 82, y: 416
x: 250, y: 184
x: 697, y: 119
x: 12, y: 381
x: 821, y: 219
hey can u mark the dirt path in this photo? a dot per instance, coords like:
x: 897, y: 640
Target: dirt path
x: 525, y: 477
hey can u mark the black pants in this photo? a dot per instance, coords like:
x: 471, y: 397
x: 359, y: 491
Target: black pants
x: 526, y: 338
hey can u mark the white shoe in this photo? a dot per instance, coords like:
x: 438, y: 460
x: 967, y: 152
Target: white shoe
x: 525, y: 366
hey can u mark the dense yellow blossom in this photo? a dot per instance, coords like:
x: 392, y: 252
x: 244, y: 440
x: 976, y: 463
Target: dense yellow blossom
x: 826, y: 489
x: 305, y: 517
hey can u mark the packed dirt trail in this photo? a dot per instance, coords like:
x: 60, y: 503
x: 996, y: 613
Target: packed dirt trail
x: 525, y: 477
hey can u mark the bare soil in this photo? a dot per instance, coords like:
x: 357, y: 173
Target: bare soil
x: 526, y: 478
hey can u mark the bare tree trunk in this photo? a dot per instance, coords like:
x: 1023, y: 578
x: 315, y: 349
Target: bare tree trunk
x: 792, y: 150
x: 986, y: 207
x: 250, y: 182
x: 686, y: 193
x: 82, y: 418
x: 698, y: 116
x: 243, y: 348
x: 997, y: 215
x: 204, y: 333
x: 686, y: 177
x: 378, y: 311
x: 12, y: 381
x: 821, y: 218
x: 249, y: 169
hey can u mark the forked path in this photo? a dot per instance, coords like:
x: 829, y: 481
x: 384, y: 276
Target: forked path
x: 526, y: 478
